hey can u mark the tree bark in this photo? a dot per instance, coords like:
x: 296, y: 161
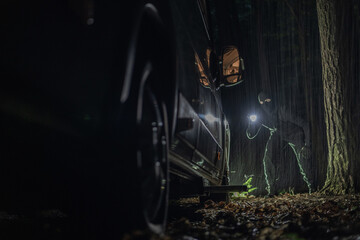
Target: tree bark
x: 339, y: 178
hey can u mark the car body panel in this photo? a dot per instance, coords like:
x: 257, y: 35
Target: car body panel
x: 66, y: 87
x: 199, y: 98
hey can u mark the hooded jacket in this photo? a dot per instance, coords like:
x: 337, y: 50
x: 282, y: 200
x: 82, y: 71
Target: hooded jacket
x: 288, y: 125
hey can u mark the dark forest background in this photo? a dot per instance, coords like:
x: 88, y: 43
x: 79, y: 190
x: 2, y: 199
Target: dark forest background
x: 279, y: 41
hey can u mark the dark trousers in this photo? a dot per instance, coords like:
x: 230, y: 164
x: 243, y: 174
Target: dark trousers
x: 302, y: 155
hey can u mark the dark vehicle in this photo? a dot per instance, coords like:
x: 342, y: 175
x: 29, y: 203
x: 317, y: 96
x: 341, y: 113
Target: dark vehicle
x: 105, y: 107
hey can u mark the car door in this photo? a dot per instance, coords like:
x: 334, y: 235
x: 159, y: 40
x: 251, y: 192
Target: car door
x: 198, y: 96
x: 209, y: 144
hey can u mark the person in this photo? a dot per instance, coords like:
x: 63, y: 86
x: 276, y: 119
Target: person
x: 292, y: 129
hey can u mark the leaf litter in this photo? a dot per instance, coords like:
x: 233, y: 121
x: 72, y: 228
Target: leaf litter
x: 286, y: 216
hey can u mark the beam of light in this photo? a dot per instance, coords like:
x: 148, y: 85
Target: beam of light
x: 210, y: 118
x: 253, y: 117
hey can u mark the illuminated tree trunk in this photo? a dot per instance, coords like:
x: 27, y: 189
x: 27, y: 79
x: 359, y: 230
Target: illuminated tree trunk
x: 339, y: 178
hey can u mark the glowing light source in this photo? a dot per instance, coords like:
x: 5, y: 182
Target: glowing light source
x: 210, y: 118
x: 253, y: 117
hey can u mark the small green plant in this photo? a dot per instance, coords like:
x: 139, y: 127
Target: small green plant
x: 237, y: 195
x: 291, y: 191
x: 293, y: 236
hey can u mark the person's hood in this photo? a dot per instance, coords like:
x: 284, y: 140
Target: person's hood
x: 268, y: 107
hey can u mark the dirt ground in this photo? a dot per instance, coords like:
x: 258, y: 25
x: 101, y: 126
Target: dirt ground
x: 287, y: 216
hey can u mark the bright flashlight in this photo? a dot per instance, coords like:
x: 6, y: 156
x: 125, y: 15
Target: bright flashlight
x: 253, y: 117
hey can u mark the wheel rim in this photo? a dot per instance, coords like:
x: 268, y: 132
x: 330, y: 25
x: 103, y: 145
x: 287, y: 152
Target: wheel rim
x: 152, y: 154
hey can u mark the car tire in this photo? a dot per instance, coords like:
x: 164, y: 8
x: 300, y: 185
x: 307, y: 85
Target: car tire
x: 152, y: 96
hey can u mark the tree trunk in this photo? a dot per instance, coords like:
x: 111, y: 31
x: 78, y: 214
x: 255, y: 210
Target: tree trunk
x: 339, y: 178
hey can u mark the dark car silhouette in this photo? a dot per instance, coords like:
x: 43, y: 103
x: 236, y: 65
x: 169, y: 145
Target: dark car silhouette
x: 107, y: 108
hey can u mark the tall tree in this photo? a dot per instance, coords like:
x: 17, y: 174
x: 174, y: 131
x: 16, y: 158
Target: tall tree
x: 340, y: 135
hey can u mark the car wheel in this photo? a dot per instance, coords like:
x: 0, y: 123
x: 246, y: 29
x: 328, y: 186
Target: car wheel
x: 148, y: 99
x: 153, y: 73
x: 152, y: 153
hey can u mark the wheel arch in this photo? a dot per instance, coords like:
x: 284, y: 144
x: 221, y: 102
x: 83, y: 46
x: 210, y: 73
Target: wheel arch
x: 159, y: 14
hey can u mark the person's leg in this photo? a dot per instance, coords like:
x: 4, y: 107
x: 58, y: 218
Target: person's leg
x: 269, y: 169
x: 302, y: 160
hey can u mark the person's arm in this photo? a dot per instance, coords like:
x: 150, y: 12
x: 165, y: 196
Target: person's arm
x: 252, y: 130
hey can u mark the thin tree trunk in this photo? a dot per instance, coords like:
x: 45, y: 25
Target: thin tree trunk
x: 339, y: 179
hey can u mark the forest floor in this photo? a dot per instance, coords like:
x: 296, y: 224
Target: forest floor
x: 287, y: 216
